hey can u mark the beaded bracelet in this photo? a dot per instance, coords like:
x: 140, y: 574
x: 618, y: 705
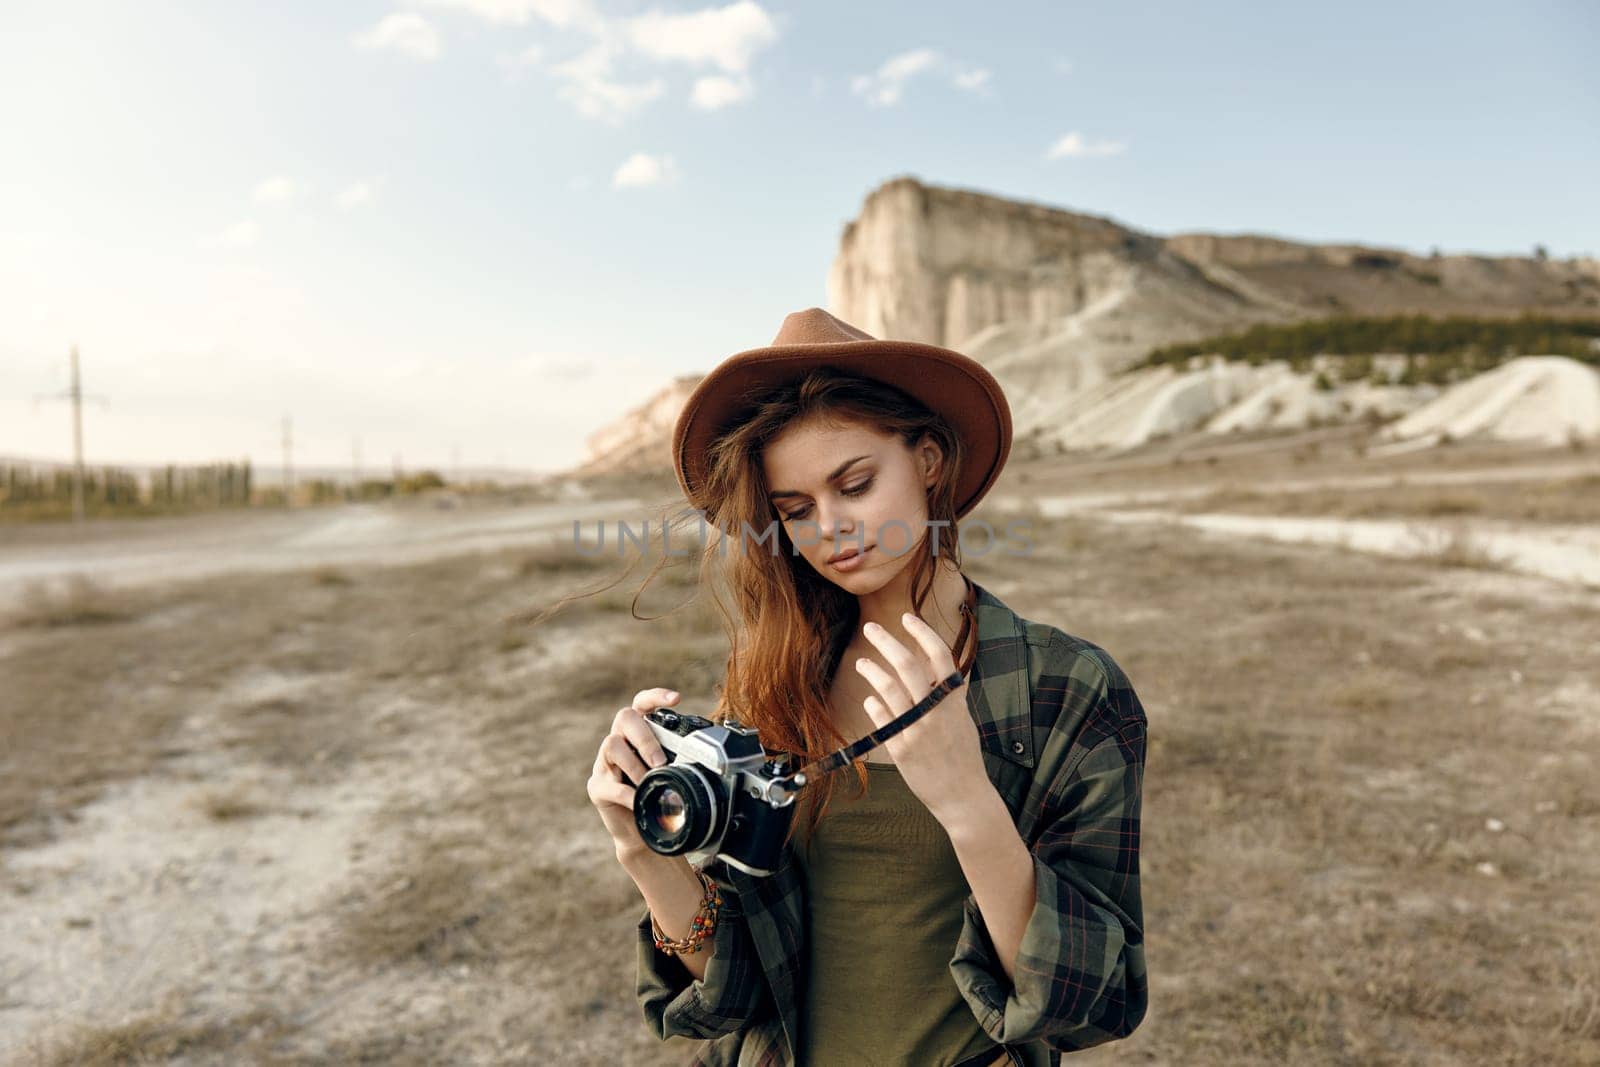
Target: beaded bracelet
x: 705, y: 921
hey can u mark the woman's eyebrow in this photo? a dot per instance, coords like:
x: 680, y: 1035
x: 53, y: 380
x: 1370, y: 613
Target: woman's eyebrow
x: 840, y: 469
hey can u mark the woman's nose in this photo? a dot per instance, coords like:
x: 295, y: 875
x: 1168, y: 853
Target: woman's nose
x: 835, y: 524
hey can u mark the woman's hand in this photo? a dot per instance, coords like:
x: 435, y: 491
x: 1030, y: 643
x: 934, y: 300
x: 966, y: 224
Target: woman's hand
x: 940, y: 756
x: 621, y: 763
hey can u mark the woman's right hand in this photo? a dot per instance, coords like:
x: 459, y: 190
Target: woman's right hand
x: 621, y: 762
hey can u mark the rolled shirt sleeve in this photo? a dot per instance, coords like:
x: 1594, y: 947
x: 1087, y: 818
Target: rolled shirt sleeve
x: 1080, y: 972
x: 732, y: 995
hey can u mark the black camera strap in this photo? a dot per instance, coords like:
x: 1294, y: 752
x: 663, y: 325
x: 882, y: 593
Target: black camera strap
x: 950, y: 683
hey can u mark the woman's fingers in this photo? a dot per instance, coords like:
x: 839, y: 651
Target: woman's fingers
x: 932, y: 645
x: 620, y: 763
x: 890, y: 691
x: 876, y: 711
x: 631, y: 725
x: 612, y: 791
x: 604, y: 786
x: 628, y: 751
x: 622, y: 755
x: 648, y: 700
x: 912, y: 670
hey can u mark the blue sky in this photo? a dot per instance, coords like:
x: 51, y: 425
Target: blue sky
x: 484, y: 228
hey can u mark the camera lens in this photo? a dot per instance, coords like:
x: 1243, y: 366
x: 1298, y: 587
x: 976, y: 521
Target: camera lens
x: 677, y: 809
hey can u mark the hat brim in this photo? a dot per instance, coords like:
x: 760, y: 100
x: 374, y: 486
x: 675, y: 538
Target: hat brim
x: 955, y: 386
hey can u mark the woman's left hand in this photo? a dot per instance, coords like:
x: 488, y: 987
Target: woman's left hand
x: 940, y: 755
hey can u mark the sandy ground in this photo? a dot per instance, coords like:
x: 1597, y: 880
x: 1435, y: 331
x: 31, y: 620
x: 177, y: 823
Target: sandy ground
x: 306, y: 788
x: 182, y: 913
x: 1568, y: 552
x: 1471, y: 476
x: 1565, y: 553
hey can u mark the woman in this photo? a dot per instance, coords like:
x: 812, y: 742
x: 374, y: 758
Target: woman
x: 974, y: 899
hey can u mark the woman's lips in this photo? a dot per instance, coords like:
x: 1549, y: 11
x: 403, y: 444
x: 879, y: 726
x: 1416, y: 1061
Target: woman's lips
x: 850, y: 563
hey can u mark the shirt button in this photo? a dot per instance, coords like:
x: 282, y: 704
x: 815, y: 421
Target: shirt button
x: 1016, y: 746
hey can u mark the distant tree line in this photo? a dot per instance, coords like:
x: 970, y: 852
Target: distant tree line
x: 25, y: 485
x: 1436, y: 350
x: 33, y: 492
x: 28, y: 491
x: 212, y: 485
x: 328, y: 491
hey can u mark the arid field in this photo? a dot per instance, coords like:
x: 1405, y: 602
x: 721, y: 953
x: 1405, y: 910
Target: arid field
x: 321, y: 800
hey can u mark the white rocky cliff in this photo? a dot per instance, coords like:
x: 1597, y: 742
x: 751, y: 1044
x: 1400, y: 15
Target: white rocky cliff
x: 1058, y: 304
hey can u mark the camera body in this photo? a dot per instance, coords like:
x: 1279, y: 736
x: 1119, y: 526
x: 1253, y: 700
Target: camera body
x: 720, y: 796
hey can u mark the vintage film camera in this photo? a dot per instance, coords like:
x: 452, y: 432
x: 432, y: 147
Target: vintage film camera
x: 720, y: 797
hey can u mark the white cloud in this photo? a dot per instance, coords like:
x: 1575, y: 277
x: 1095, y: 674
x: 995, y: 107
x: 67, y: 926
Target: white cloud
x: 641, y: 169
x: 726, y: 38
x: 361, y: 192
x: 405, y: 32
x: 587, y: 83
x: 355, y: 195
x: 1074, y: 145
x: 239, y: 235
x: 885, y: 86
x: 723, y: 36
x: 514, y: 65
x: 718, y: 90
x: 275, y: 190
x: 972, y: 80
x: 580, y: 14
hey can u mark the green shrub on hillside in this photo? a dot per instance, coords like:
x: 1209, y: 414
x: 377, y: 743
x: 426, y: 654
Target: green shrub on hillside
x: 1437, y: 349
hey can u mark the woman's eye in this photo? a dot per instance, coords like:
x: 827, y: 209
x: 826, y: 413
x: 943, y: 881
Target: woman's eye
x: 854, y: 490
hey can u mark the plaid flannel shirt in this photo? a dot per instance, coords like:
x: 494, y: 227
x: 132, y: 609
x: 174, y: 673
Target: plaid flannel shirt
x: 1063, y: 738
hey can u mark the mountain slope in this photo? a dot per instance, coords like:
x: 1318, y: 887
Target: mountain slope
x: 1056, y: 303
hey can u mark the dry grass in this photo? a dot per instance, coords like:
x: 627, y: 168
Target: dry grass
x: 1330, y: 734
x: 78, y: 601
x: 328, y: 576
x: 172, y: 1033
x: 103, y: 702
x: 1327, y: 741
x: 229, y: 805
x: 1453, y: 545
x: 1559, y: 500
x: 89, y: 702
x: 164, y: 1034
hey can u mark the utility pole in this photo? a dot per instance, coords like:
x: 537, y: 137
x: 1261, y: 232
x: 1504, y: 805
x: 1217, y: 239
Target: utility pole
x: 77, y: 439
x: 288, y: 465
x: 75, y: 394
x: 455, y: 463
x: 355, y: 467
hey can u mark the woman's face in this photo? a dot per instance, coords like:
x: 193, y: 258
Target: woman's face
x: 839, y: 486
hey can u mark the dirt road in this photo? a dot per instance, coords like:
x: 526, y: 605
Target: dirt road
x: 132, y: 553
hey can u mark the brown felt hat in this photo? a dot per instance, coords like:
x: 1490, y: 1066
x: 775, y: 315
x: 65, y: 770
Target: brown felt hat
x: 947, y: 382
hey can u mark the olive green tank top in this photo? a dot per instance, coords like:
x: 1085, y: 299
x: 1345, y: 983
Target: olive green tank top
x: 883, y: 895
